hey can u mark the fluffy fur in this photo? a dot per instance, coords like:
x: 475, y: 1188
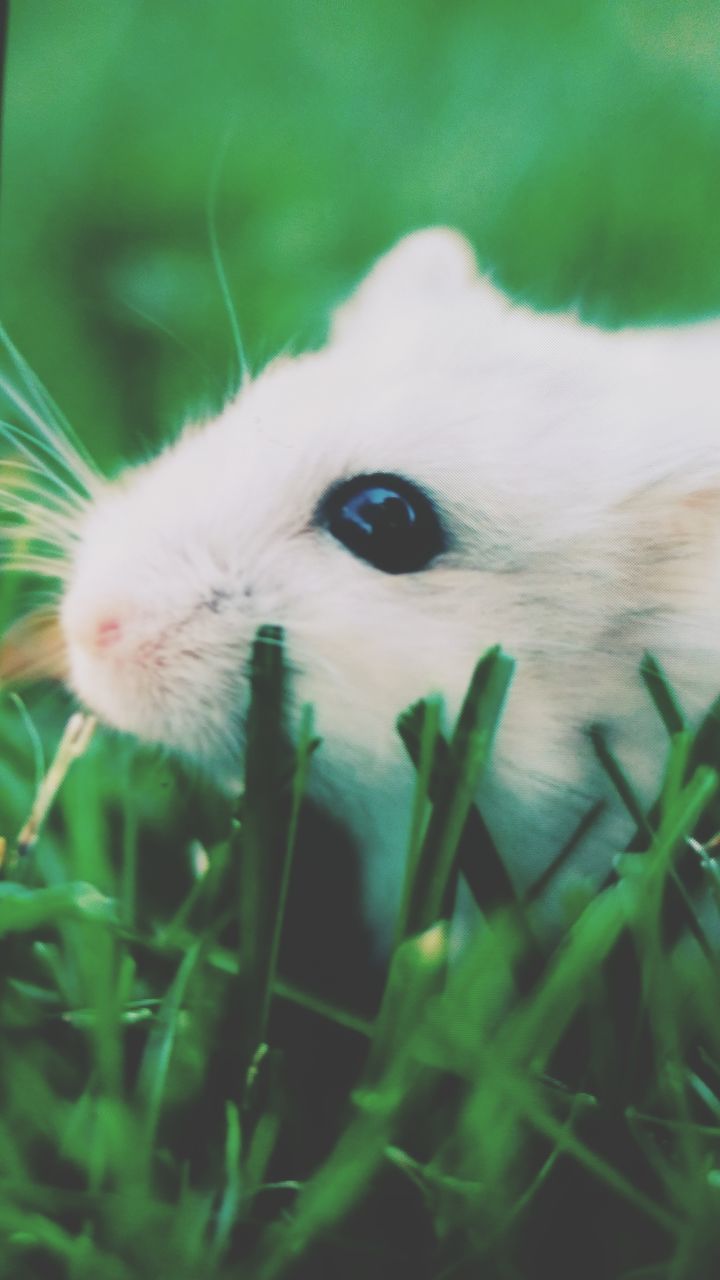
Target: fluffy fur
x: 577, y: 472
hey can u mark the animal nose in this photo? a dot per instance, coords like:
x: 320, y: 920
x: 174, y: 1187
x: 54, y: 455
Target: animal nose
x: 107, y: 632
x: 92, y: 629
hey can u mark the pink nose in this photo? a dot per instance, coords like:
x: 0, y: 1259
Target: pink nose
x: 108, y: 631
x: 95, y: 625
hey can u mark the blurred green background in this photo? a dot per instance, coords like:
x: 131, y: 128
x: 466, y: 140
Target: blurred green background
x: 577, y: 142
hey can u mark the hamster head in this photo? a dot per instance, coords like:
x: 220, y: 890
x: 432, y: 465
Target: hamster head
x: 450, y: 471
x: 318, y: 499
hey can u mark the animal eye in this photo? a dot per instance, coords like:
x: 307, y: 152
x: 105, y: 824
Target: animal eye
x: 384, y: 520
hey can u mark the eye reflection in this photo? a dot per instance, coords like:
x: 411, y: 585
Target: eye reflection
x: 385, y: 520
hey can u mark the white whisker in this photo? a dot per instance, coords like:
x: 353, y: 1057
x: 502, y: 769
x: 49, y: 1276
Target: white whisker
x: 243, y: 367
x: 36, y: 564
x: 33, y: 501
x: 57, y: 445
x: 26, y: 536
x: 45, y: 401
x: 32, y: 494
x: 17, y: 436
x: 36, y: 523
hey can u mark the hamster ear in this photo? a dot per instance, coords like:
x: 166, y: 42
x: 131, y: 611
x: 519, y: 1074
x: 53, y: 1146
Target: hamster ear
x: 435, y: 263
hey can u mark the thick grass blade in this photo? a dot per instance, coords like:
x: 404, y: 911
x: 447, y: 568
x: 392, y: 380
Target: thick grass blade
x: 452, y: 783
x: 275, y: 780
x: 479, y: 859
x: 260, y: 841
x: 662, y: 694
x: 619, y: 779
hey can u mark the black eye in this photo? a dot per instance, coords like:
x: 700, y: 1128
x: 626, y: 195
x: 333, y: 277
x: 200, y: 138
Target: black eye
x: 385, y: 520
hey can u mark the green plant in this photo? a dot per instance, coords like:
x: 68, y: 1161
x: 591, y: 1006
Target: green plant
x: 162, y: 1116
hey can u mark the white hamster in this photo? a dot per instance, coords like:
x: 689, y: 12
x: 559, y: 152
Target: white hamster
x: 450, y: 471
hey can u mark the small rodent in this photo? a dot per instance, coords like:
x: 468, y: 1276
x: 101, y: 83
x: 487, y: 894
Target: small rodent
x: 451, y: 471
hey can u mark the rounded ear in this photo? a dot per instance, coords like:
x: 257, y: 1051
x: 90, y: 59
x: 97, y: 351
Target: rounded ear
x: 435, y: 263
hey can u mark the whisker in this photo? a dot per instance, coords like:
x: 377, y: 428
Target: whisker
x: 41, y: 447
x: 43, y: 398
x: 47, y: 598
x: 36, y: 564
x: 29, y: 517
x: 15, y: 464
x: 243, y: 367
x: 32, y: 495
x: 58, y: 446
x: 35, y: 528
x: 39, y: 525
x: 33, y: 541
x: 157, y: 324
x: 34, y: 510
x: 17, y: 435
x: 31, y: 538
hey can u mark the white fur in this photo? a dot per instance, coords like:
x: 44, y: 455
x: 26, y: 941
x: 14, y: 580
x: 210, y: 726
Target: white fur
x: 578, y: 473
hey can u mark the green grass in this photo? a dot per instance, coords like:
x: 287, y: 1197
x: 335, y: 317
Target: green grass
x: 512, y: 1114
x: 176, y: 1106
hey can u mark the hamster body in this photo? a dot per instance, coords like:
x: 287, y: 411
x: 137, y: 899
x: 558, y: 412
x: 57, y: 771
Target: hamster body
x: 565, y: 480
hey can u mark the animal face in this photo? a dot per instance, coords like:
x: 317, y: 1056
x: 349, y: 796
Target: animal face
x: 450, y: 471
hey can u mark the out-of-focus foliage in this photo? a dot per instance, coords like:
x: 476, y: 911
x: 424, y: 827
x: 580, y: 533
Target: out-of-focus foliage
x: 575, y: 141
